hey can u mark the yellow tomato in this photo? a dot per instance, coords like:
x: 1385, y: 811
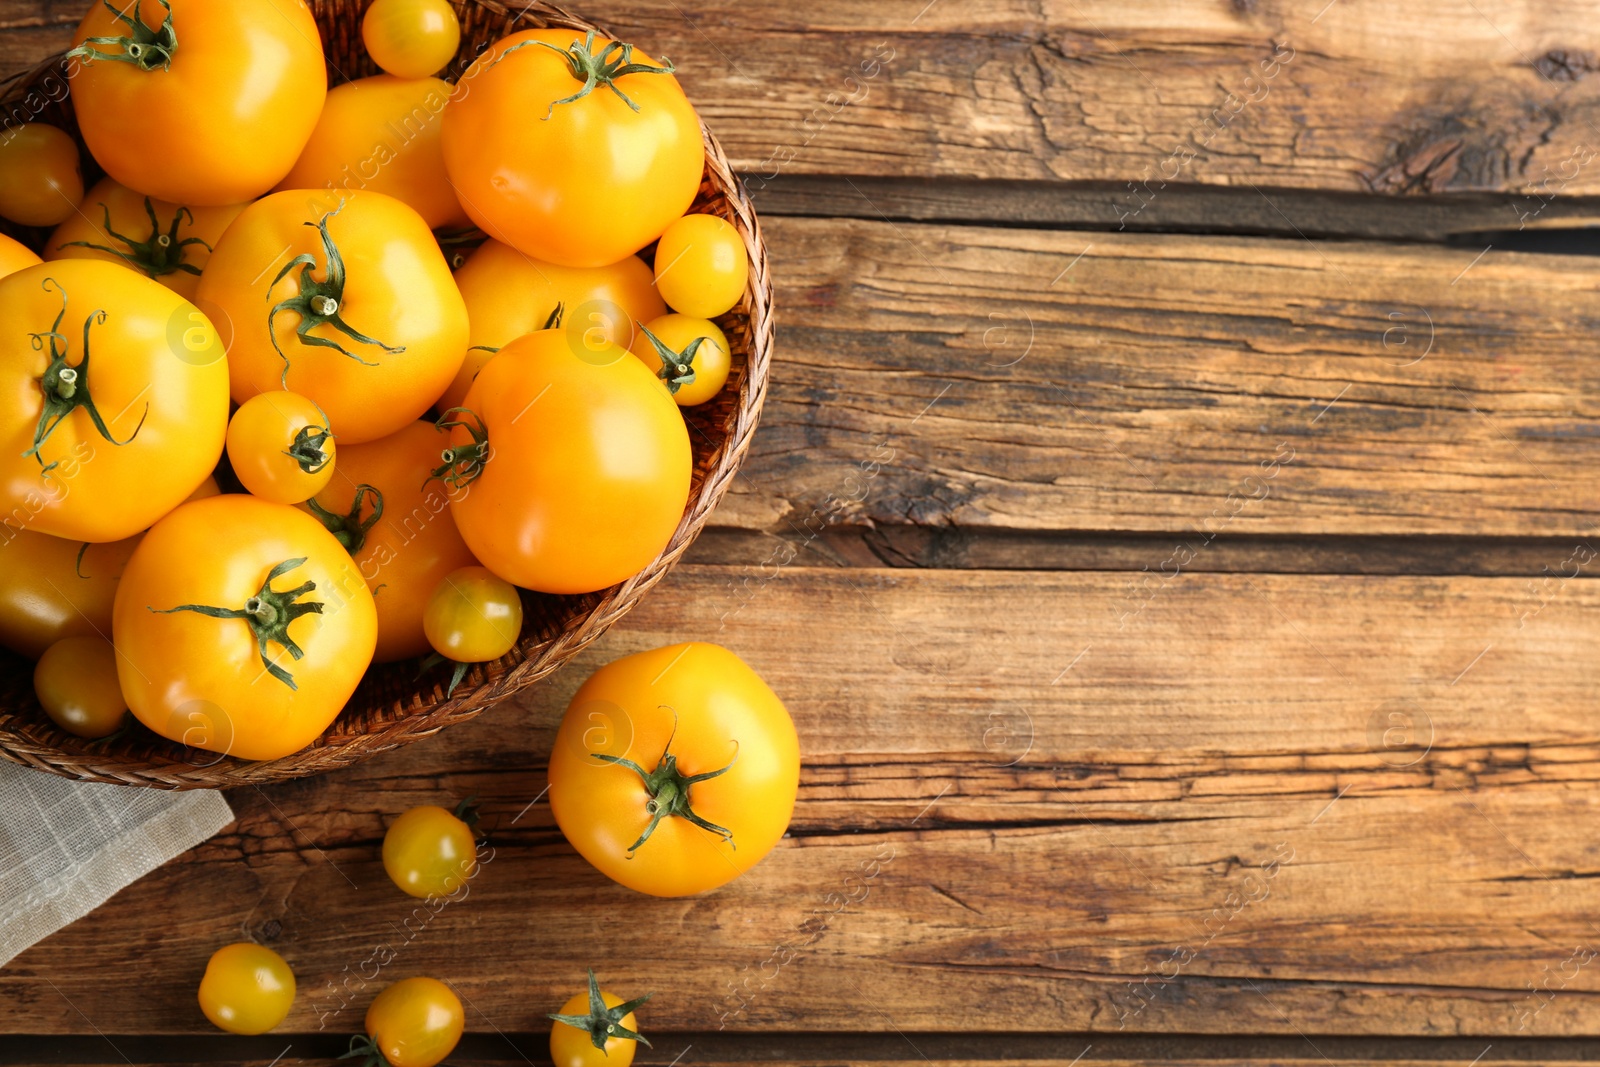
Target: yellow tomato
x: 247, y: 989
x: 702, y: 267
x: 473, y: 617
x: 429, y: 852
x: 48, y: 592
x: 596, y: 1029
x: 509, y: 294
x: 40, y: 178
x: 382, y: 134
x: 281, y: 448
x: 76, y: 682
x: 405, y: 552
x: 689, y: 355
x: 99, y: 452
x: 194, y: 101
x: 14, y: 256
x: 167, y: 242
x: 243, y: 628
x: 350, y: 304
x: 411, y: 38
x: 416, y: 1022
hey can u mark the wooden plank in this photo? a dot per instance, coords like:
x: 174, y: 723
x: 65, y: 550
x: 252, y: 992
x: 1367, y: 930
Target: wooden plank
x: 1018, y: 804
x: 1491, y: 97
x: 1017, y: 379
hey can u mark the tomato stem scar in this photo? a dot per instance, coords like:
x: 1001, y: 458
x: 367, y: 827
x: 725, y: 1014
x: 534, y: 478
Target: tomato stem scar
x: 269, y: 614
x: 156, y: 256
x: 614, y: 61
x: 669, y: 791
x: 141, y: 46
x: 605, y: 1023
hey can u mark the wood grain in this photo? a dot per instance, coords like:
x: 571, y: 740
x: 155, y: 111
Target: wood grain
x: 1010, y: 378
x: 1016, y: 802
x: 1268, y: 93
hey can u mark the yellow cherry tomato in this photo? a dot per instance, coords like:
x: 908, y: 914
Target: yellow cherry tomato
x: 509, y: 294
x: 281, y: 447
x: 474, y: 617
x: 48, y: 591
x: 694, y: 785
x: 350, y: 304
x: 99, y: 451
x: 168, y: 242
x: 382, y: 134
x: 194, y: 101
x: 76, y: 682
x: 40, y: 177
x: 242, y: 627
x: 247, y: 989
x: 429, y: 852
x: 14, y: 256
x: 416, y: 1022
x: 596, y: 1029
x: 702, y: 267
x: 404, y: 552
x: 689, y: 355
x: 411, y: 38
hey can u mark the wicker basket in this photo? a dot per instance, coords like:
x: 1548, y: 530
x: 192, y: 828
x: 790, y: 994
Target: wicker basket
x: 391, y: 708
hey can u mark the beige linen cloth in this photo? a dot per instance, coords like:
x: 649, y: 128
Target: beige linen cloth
x: 68, y: 847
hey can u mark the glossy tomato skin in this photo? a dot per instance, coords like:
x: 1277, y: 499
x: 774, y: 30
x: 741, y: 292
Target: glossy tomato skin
x: 720, y: 709
x: 509, y: 294
x: 76, y: 683
x: 247, y: 989
x: 429, y: 852
x: 711, y: 361
x: 15, y: 256
x: 158, y: 379
x: 398, y: 292
x: 597, y: 181
x: 47, y: 593
x: 226, y: 122
x: 200, y: 680
x: 281, y: 448
x: 198, y: 231
x: 590, y: 487
x: 381, y: 134
x: 571, y: 1047
x: 409, y: 550
x: 473, y: 617
x: 416, y: 1022
x: 702, y: 267
x: 411, y: 38
x: 41, y: 178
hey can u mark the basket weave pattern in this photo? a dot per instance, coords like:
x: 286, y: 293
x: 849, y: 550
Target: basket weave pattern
x: 391, y: 707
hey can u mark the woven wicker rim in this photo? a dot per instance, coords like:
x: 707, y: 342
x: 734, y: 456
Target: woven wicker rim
x: 557, y: 628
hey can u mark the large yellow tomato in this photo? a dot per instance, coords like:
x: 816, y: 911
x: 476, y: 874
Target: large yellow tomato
x: 675, y: 770
x: 198, y: 102
x: 574, y: 150
x: 348, y: 303
x: 509, y: 294
x: 14, y: 256
x: 115, y: 400
x: 382, y: 134
x: 48, y: 592
x: 406, y: 551
x: 167, y: 242
x: 571, y: 464
x: 242, y: 627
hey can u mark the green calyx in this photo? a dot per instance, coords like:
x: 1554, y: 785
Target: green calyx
x: 463, y: 464
x: 614, y: 61
x: 603, y: 1023
x: 350, y: 529
x: 677, y: 368
x: 366, y: 1050
x: 160, y: 254
x: 319, y: 303
x: 269, y: 614
x: 142, y: 47
x: 65, y: 386
x: 309, y: 449
x: 669, y: 792
x: 457, y: 673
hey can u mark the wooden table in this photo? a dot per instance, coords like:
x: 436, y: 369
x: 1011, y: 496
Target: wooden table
x: 1170, y: 528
